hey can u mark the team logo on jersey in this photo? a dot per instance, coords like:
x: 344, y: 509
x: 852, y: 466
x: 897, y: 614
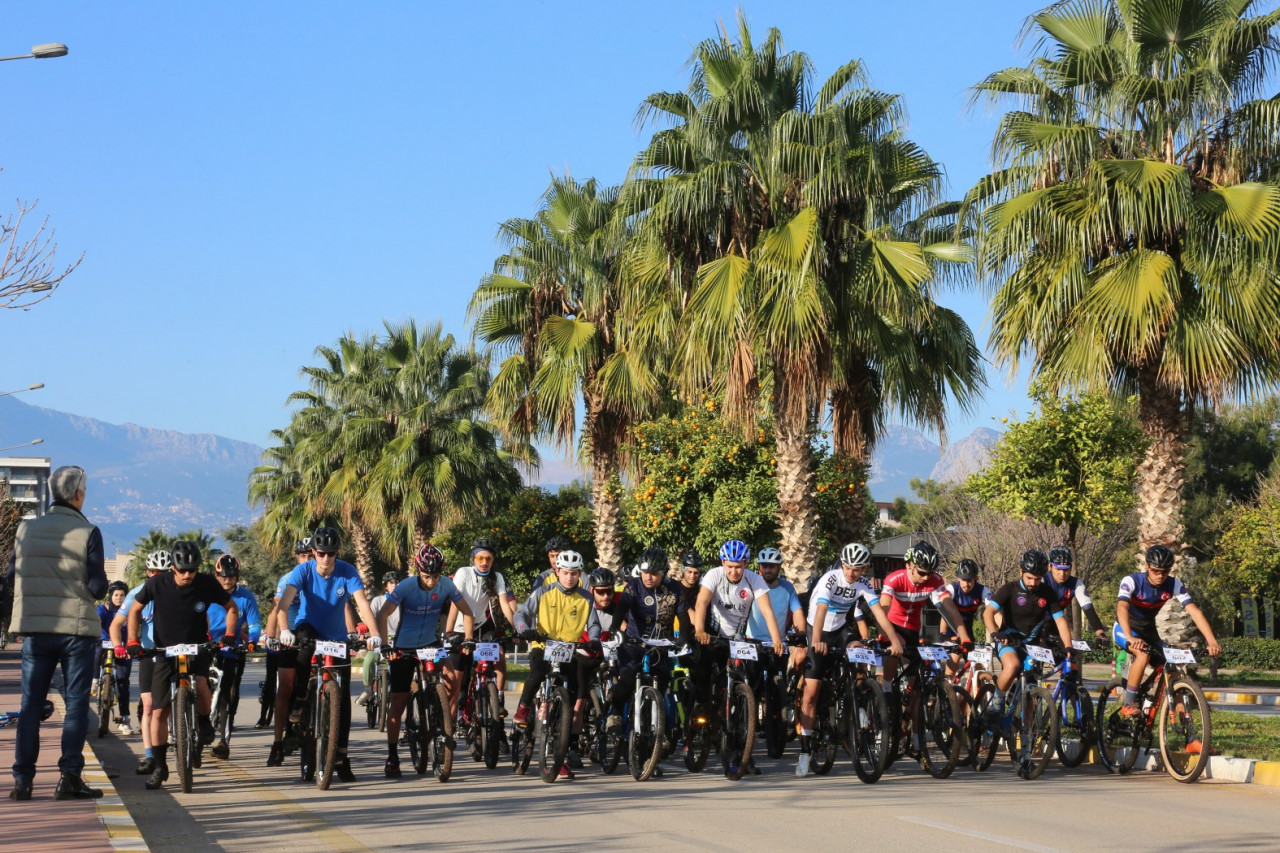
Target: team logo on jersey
x: 200, y: 606
x: 340, y: 591
x: 435, y: 596
x: 648, y: 601
x: 742, y: 593
x: 1164, y: 596
x: 1022, y: 599
x: 1041, y: 602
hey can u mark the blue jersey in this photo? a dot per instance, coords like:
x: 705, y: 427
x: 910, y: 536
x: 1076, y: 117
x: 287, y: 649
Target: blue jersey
x: 783, y: 600
x: 146, y: 633
x: 324, y: 600
x: 292, y: 616
x: 1145, y: 599
x: 420, y: 610
x: 250, y: 618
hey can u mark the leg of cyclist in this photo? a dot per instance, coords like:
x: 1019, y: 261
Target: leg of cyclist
x: 268, y: 699
x: 537, y: 672
x: 146, y: 667
x: 399, y: 677
x: 584, y: 671
x: 286, y: 672
x: 123, y: 671
x: 204, y: 697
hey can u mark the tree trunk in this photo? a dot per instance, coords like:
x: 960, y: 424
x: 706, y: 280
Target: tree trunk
x: 423, y: 527
x: 851, y: 518
x: 603, y: 431
x: 362, y: 543
x: 797, y: 509
x: 1165, y: 424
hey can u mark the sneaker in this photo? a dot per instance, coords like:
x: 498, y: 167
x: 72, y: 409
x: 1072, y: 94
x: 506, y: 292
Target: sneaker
x: 220, y: 749
x: 522, y: 716
x: 125, y: 729
x: 802, y: 766
x: 206, y: 732
x: 342, y: 768
x: 276, y: 759
x: 156, y: 780
x: 145, y: 766
x: 1130, y: 712
x: 261, y: 724
x: 363, y: 698
x: 392, y: 768
x: 573, y: 759
x: 565, y: 772
x: 613, y: 725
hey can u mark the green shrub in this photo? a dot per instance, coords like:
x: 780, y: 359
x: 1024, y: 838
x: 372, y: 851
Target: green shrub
x: 1246, y: 653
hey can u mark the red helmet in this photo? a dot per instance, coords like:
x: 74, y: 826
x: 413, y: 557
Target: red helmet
x: 429, y: 560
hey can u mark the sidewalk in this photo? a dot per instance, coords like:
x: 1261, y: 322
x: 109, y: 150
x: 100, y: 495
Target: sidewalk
x: 43, y: 823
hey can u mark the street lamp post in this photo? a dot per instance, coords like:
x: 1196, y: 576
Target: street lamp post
x: 41, y: 51
x: 31, y: 443
x: 35, y: 387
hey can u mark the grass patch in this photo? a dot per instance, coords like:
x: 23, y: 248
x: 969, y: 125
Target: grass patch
x: 1246, y: 735
x: 517, y: 672
x: 1242, y: 678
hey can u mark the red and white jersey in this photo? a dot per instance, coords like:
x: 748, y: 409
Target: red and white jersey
x: 909, y: 597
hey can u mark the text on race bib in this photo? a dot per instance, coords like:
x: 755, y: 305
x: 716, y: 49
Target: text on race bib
x: 743, y: 651
x: 107, y: 644
x: 488, y: 651
x: 933, y: 653
x: 1040, y: 653
x: 559, y: 652
x: 861, y: 655
x: 331, y: 648
x: 184, y: 649
x: 660, y: 643
x: 1178, y: 655
x: 981, y: 656
x: 1080, y: 645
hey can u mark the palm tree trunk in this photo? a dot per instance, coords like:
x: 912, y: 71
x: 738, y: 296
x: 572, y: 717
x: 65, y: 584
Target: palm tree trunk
x: 423, y: 527
x: 602, y: 434
x: 797, y: 509
x: 1165, y: 424
x: 362, y: 543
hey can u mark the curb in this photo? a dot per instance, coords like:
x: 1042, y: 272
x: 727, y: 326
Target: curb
x: 1242, y: 698
x: 1222, y: 768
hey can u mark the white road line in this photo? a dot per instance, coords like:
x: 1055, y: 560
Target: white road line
x: 985, y: 836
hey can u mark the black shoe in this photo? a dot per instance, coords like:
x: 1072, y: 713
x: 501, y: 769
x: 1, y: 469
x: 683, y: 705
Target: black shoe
x: 21, y: 789
x: 342, y: 767
x: 146, y: 766
x: 198, y: 761
x: 574, y: 760
x: 206, y: 732
x: 221, y: 749
x: 276, y: 758
x: 72, y: 787
x: 156, y: 780
x: 261, y: 724
x: 392, y: 769
x: 308, y: 773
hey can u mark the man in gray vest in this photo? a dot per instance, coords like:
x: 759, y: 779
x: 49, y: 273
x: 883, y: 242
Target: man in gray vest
x: 58, y: 569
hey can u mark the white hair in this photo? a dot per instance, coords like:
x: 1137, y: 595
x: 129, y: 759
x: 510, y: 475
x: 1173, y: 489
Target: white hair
x: 66, y: 482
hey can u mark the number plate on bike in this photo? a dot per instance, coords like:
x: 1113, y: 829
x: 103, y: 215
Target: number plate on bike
x: 659, y: 643
x: 184, y: 649
x: 1080, y: 645
x: 559, y: 652
x: 107, y: 644
x: 436, y: 655
x: 488, y: 651
x: 332, y: 648
x: 743, y: 651
x: 933, y: 653
x: 981, y: 656
x: 1040, y: 653
x: 857, y: 655
x: 1178, y: 655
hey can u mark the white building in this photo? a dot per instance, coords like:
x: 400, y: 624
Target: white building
x: 27, y: 479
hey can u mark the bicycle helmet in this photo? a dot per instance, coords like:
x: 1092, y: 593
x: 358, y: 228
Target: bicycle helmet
x: 923, y: 555
x: 1160, y: 556
x: 602, y: 578
x: 484, y: 543
x: 159, y: 561
x: 1034, y: 563
x: 967, y: 570
x: 186, y: 555
x: 855, y: 554
x: 117, y: 586
x: 429, y: 560
x: 391, y: 577
x: 227, y: 566
x: 690, y: 559
x: 735, y: 550
x: 569, y: 560
x: 326, y: 539
x: 769, y: 557
x: 557, y: 543
x: 653, y: 560
x: 303, y: 546
x: 1060, y: 555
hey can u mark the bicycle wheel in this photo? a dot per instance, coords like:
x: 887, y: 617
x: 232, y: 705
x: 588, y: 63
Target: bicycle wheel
x: 1075, y: 725
x: 697, y: 744
x: 607, y: 746
x: 183, y: 713
x: 1185, y: 731
x: 1034, y: 733
x: 327, y: 734
x: 441, y: 732
x: 938, y: 725
x: 775, y: 723
x: 553, y: 735
x: 739, y: 731
x: 825, y: 732
x: 868, y: 730
x: 414, y: 714
x: 894, y: 703
x: 106, y: 702
x: 221, y: 701
x: 648, y: 720
x: 490, y: 726
x: 384, y: 699
x: 1117, y: 737
x: 983, y: 743
x: 371, y: 704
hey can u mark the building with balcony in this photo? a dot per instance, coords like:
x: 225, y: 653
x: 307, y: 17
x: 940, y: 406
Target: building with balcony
x: 27, y: 480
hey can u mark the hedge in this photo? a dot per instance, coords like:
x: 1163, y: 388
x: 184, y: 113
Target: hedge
x: 1246, y: 653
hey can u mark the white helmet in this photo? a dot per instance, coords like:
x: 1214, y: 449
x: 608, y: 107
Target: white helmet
x: 159, y: 561
x: 769, y: 556
x: 855, y: 554
x: 570, y: 560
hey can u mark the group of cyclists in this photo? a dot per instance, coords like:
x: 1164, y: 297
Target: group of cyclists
x: 611, y: 617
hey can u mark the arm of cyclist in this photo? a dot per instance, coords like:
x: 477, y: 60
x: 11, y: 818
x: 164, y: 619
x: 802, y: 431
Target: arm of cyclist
x: 700, y: 616
x: 771, y: 622
x: 815, y: 635
x: 1090, y: 614
x: 1122, y: 619
x: 886, y: 627
x: 508, y: 604
x: 1064, y: 628
x: 135, y: 628
x: 952, y: 614
x: 1197, y: 616
x: 366, y: 616
x: 251, y: 619
x: 468, y: 618
x: 278, y: 621
x: 384, y: 614
x: 233, y: 621
x: 525, y: 617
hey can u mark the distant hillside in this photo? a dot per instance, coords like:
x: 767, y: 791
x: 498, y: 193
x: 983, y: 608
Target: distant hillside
x: 901, y: 454
x: 966, y: 457
x: 140, y: 477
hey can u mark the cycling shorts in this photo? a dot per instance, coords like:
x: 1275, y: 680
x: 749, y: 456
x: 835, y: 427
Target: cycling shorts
x: 400, y: 673
x: 1146, y: 633
x: 817, y: 666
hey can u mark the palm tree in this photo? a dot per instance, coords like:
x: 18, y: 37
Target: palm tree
x: 1131, y: 227
x: 274, y: 486
x: 155, y: 540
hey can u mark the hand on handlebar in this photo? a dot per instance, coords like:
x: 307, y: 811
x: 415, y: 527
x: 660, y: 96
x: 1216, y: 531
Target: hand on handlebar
x: 819, y: 647
x: 287, y: 638
x: 702, y: 637
x: 530, y: 634
x: 134, y: 649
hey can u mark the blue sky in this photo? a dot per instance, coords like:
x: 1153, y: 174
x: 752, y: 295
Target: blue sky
x: 249, y: 181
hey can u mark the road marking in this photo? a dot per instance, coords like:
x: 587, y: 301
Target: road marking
x: 318, y: 826
x: 985, y: 836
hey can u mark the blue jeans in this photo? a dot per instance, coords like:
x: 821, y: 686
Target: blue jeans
x: 41, y: 655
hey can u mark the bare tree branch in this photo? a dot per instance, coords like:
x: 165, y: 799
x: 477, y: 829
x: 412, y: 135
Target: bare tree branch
x: 28, y: 271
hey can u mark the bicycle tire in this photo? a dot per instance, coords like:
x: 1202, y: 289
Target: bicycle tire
x: 414, y: 713
x: 1075, y: 725
x: 384, y: 699
x: 894, y: 703
x: 607, y: 746
x: 106, y: 704
x: 553, y: 735
x: 371, y: 704
x: 938, y: 724
x: 739, y: 732
x: 1191, y: 724
x: 697, y: 746
x: 648, y: 722
x: 1035, y: 733
x: 521, y: 751
x: 221, y: 703
x: 983, y: 742
x: 823, y: 744
x: 868, y: 730
x: 441, y: 733
x: 184, y: 735
x: 1117, y: 738
x: 327, y: 736
x: 490, y: 726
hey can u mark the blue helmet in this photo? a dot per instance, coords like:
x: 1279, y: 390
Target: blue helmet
x: 735, y: 550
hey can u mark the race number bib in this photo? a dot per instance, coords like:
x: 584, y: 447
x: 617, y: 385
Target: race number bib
x: 331, y: 648
x: 184, y: 649
x: 1040, y: 653
x: 981, y: 656
x: 861, y: 655
x: 1178, y: 655
x: 436, y: 655
x: 659, y: 643
x: 1080, y: 645
x: 743, y: 651
x: 559, y: 652
x: 107, y: 644
x: 933, y: 653
x: 488, y: 651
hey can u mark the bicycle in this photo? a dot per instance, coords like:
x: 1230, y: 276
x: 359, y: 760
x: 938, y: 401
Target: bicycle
x: 375, y: 707
x: 1074, y: 705
x: 222, y: 678
x: 318, y: 729
x: 1174, y: 712
x: 866, y: 714
x: 183, y: 731
x: 481, y: 707
x: 738, y: 704
x: 771, y: 701
x: 106, y: 697
x: 428, y: 727
x: 605, y: 746
x: 975, y: 688
x: 553, y: 721
x: 1029, y: 724
x: 932, y: 734
x: 647, y: 713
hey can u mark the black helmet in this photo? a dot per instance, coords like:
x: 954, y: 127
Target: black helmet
x: 392, y: 577
x: 484, y: 543
x: 1060, y: 555
x: 326, y: 539
x: 923, y: 555
x: 1160, y: 556
x: 967, y: 570
x: 116, y: 585
x: 691, y: 558
x: 227, y: 566
x: 602, y: 577
x: 557, y: 543
x: 655, y: 558
x: 303, y: 546
x: 1034, y: 563
x: 186, y: 555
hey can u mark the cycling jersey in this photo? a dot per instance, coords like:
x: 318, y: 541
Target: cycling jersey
x: 250, y: 618
x: 840, y: 596
x: 180, y: 610
x: 1145, y: 599
x: 559, y: 613
x: 107, y: 614
x: 292, y: 616
x: 651, y: 612
x: 783, y: 600
x: 393, y: 624
x: 1025, y: 609
x: 1073, y: 590
x: 324, y: 600
x: 471, y: 584
x: 731, y: 602
x: 146, y: 633
x: 908, y: 597
x: 611, y: 615
x: 419, y: 610
x: 547, y: 578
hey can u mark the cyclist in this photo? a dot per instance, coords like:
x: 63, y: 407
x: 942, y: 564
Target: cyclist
x: 1069, y: 588
x: 116, y: 593
x: 1140, y: 598
x: 487, y: 594
x: 561, y: 611
x: 182, y: 598
x: 970, y: 597
x: 554, y: 546
x: 324, y: 585
x: 904, y: 594
x: 652, y: 611
x: 301, y: 553
x: 157, y: 561
x: 417, y: 604
x: 690, y: 584
x: 1021, y: 606
x: 610, y: 606
x: 833, y: 599
x: 285, y: 659
x: 389, y: 581
x: 227, y: 570
x: 784, y: 601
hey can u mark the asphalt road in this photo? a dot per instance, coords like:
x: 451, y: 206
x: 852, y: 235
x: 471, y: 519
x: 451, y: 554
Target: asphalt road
x: 242, y: 805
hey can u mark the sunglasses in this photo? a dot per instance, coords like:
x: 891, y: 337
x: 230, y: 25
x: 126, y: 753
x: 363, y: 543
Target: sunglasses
x: 325, y: 554
x: 185, y: 571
